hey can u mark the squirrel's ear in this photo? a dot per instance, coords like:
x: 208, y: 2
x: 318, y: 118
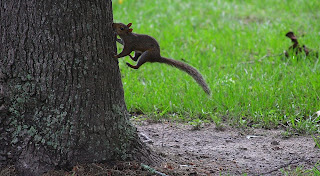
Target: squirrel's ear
x: 130, y: 30
x: 129, y: 24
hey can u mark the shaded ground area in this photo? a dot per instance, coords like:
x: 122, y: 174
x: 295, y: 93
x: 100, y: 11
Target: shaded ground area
x: 209, y: 151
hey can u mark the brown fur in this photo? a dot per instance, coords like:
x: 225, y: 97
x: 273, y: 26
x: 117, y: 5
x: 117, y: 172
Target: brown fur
x: 295, y: 47
x: 148, y: 50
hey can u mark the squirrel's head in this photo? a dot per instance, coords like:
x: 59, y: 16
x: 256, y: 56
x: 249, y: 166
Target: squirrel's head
x: 290, y: 35
x: 121, y: 28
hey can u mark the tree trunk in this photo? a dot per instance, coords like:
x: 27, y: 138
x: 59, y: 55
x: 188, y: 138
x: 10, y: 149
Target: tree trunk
x: 61, y: 96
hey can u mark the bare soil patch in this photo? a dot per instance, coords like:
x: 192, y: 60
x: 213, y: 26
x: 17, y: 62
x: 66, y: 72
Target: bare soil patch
x: 209, y: 151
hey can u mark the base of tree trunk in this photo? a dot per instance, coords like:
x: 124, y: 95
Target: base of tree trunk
x: 145, y: 155
x: 30, y: 162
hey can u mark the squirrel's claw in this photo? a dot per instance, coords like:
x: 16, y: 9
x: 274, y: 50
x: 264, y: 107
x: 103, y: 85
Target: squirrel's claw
x: 128, y: 64
x: 132, y: 66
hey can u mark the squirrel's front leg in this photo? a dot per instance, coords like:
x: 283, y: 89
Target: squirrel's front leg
x: 120, y: 41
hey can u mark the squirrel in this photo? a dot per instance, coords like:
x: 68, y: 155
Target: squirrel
x: 296, y: 47
x: 148, y: 49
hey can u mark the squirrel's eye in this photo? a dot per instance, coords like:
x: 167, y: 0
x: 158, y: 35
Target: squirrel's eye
x: 122, y: 28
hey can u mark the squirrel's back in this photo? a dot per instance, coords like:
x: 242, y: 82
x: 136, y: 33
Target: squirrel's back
x: 141, y: 42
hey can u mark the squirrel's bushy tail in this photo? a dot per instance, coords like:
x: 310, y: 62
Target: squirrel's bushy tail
x: 189, y: 69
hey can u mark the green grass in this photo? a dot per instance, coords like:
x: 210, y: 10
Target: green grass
x: 227, y: 41
x: 301, y: 171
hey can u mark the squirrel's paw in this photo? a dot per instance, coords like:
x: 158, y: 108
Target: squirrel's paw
x: 134, y: 67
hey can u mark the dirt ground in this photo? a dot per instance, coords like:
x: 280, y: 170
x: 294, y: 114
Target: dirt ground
x: 210, y: 151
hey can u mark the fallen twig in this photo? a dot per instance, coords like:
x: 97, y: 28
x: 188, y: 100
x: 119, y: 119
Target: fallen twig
x: 152, y: 170
x: 283, y: 166
x: 253, y: 61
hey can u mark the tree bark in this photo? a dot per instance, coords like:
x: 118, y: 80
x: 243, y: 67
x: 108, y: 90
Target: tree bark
x: 61, y: 96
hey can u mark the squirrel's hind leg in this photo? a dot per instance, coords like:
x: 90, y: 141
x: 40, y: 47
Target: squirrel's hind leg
x: 137, y: 54
x: 145, y: 57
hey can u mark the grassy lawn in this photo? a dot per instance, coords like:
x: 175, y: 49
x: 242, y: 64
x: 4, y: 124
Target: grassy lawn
x: 236, y: 45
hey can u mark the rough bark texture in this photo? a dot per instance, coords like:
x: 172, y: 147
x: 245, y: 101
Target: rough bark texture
x: 61, y: 96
